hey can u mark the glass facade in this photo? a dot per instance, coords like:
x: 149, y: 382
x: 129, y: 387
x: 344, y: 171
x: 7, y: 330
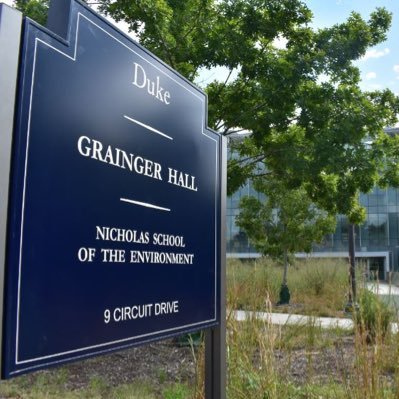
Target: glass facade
x: 376, y: 240
x: 380, y: 231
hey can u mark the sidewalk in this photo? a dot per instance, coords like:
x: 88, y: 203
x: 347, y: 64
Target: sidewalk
x: 282, y: 319
x: 383, y: 289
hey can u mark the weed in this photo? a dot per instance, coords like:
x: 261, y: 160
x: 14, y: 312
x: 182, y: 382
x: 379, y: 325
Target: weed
x: 176, y: 391
x: 374, y: 316
x: 162, y: 376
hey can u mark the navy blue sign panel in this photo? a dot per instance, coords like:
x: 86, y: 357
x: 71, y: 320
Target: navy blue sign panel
x: 114, y: 217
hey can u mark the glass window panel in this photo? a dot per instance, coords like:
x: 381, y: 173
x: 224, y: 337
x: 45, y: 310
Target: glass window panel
x: 236, y: 211
x: 382, y: 209
x: 382, y: 197
x: 378, y: 229
x: 364, y: 232
x: 384, y: 232
x: 229, y: 203
x: 364, y: 199
x: 252, y: 191
x: 373, y: 199
x: 326, y: 244
x: 344, y: 229
x: 392, y: 196
x: 372, y: 210
x: 372, y: 221
x: 393, y: 226
x: 235, y: 200
x: 393, y: 209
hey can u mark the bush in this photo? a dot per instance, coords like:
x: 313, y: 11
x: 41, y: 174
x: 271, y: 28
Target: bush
x: 373, y: 317
x: 317, y: 276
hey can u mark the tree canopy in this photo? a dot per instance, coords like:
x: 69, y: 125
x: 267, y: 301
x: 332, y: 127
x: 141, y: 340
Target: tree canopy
x: 284, y: 222
x: 311, y: 124
x: 35, y: 9
x: 295, y: 88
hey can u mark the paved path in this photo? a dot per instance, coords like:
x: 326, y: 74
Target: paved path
x: 383, y: 289
x: 323, y: 322
x: 287, y: 319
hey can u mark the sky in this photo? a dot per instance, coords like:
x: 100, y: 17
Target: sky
x: 380, y: 66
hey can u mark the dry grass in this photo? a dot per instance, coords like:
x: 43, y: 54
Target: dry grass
x: 262, y: 357
x: 318, y: 286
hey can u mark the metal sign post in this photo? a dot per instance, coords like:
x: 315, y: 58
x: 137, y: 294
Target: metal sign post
x: 10, y: 37
x: 215, y: 338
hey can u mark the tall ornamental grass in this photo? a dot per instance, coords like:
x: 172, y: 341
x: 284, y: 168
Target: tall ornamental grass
x: 260, y: 354
x: 318, y: 286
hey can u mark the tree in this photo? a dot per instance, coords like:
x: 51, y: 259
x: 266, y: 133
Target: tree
x: 311, y: 124
x: 35, y: 9
x: 284, y: 223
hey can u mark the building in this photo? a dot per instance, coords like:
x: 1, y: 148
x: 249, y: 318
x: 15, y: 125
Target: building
x: 376, y: 242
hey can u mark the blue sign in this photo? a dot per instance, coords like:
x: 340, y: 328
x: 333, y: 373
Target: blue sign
x: 114, y: 218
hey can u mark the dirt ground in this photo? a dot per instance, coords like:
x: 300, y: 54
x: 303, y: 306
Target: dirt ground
x: 154, y: 363
x: 166, y: 362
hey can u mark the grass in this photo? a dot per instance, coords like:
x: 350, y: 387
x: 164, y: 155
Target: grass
x: 301, y: 361
x: 54, y: 385
x: 360, y: 364
x: 318, y: 287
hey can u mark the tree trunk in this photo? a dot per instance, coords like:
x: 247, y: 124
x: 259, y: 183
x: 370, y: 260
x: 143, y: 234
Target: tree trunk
x: 285, y: 294
x: 285, y: 268
x: 351, y: 305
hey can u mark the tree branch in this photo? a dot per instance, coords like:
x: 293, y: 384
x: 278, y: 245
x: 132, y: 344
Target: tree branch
x: 253, y: 159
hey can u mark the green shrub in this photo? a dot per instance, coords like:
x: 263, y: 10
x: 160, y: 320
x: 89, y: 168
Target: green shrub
x: 373, y: 317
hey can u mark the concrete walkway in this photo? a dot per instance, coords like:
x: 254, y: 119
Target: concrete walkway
x: 383, y: 289
x: 282, y: 319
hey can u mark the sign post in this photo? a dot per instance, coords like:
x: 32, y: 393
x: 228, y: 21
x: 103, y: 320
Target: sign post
x: 215, y: 338
x: 115, y: 233
x: 10, y: 36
